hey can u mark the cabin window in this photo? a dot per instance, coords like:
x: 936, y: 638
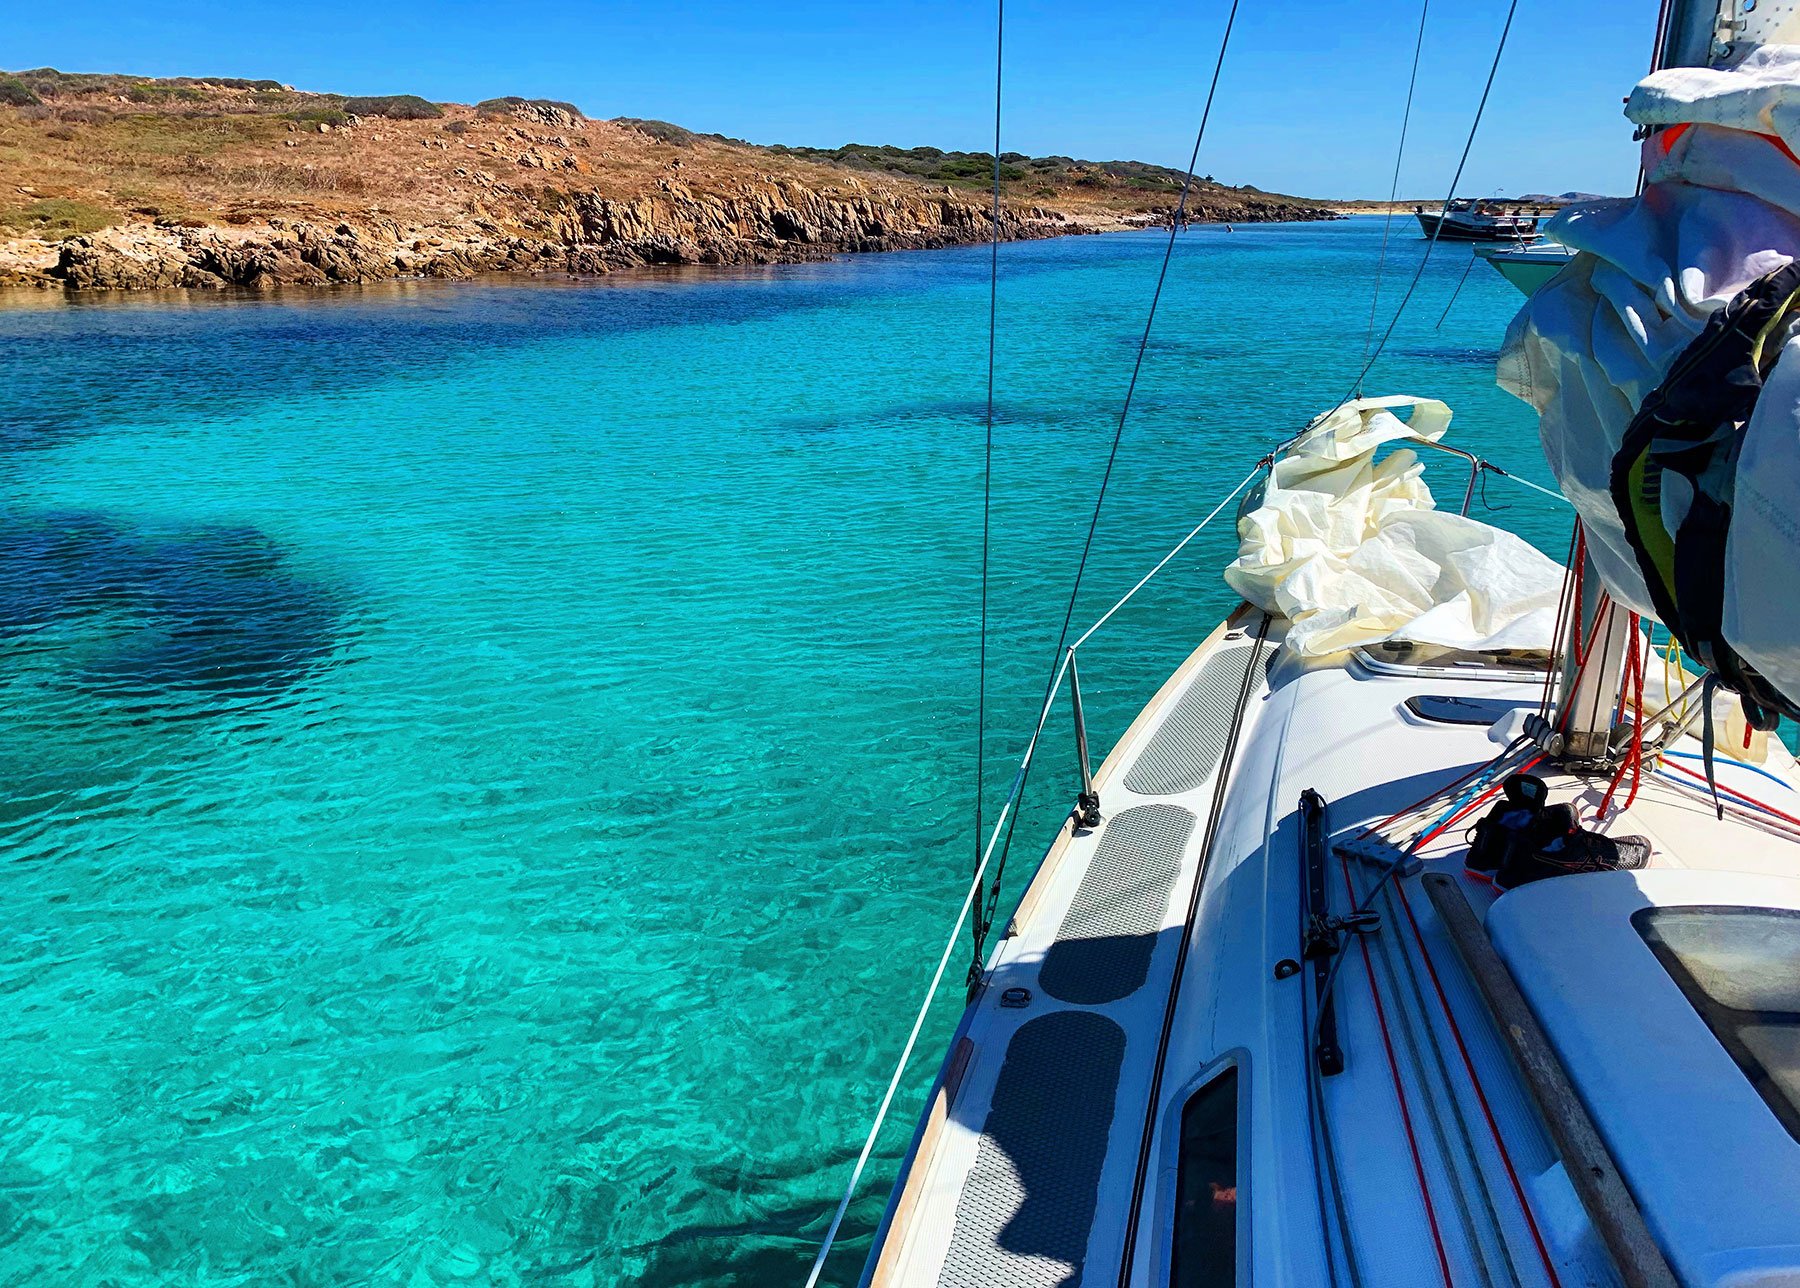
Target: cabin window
x: 1740, y: 967
x: 1206, y: 1188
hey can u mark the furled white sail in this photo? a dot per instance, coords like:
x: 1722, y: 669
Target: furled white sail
x: 1352, y: 550
x: 1719, y: 210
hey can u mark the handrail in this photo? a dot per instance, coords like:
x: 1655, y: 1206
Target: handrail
x: 1475, y: 467
x: 1011, y: 800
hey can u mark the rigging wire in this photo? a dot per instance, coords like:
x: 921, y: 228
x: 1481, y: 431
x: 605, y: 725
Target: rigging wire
x: 1394, y: 188
x: 1176, y: 220
x: 1458, y: 291
x: 987, y: 462
x: 981, y: 856
x: 1431, y: 245
x: 1554, y: 495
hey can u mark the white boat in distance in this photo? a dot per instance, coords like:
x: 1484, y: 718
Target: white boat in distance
x: 1528, y: 266
x: 1436, y: 924
x: 1478, y: 221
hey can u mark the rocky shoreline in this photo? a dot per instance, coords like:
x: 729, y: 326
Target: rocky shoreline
x: 145, y: 185
x: 773, y: 223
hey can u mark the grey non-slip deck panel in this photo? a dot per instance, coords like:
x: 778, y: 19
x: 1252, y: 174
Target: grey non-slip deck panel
x: 1103, y: 947
x: 1027, y: 1208
x: 1184, y: 750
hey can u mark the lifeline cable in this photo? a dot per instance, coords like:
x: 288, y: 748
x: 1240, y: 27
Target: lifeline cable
x: 1176, y: 219
x: 1394, y: 188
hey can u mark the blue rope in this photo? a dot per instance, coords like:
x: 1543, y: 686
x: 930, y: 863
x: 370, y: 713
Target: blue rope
x: 1741, y: 764
x: 1730, y: 794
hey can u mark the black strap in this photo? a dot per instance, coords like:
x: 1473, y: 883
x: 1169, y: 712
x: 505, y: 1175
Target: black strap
x: 1692, y: 426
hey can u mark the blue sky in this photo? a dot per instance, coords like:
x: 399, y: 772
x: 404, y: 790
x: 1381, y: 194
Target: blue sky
x: 1310, y: 102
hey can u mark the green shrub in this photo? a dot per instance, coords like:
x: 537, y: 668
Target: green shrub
x: 504, y: 106
x: 227, y: 82
x: 661, y: 131
x: 396, y: 107
x: 56, y: 218
x: 49, y: 81
x: 16, y: 93
x: 163, y: 92
x: 318, y: 116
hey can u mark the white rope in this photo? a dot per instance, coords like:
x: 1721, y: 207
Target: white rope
x: 1177, y: 550
x: 1535, y: 487
x: 937, y: 977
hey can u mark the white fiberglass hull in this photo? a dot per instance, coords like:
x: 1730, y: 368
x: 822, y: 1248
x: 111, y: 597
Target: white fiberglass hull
x: 1160, y: 954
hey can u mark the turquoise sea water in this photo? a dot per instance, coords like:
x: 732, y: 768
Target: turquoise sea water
x: 488, y: 767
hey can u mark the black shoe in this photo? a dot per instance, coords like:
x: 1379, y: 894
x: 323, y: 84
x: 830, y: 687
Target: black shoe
x: 1510, y: 823
x: 1562, y: 850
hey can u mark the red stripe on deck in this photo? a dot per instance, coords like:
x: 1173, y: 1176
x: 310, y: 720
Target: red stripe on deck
x: 1480, y: 1095
x: 1412, y: 1141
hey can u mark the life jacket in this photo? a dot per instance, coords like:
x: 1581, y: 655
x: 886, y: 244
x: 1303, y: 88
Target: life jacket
x: 1692, y: 426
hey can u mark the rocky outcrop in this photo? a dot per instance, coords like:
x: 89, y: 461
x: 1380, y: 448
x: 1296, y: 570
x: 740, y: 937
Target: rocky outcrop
x: 775, y: 222
x: 298, y: 254
x: 761, y: 223
x: 551, y: 114
x: 764, y: 222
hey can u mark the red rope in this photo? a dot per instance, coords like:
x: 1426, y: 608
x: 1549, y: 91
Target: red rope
x: 1634, y: 756
x: 1585, y: 654
x: 1758, y: 804
x: 1470, y: 808
x: 1575, y: 567
x: 1434, y: 794
x: 1480, y: 1095
x: 1412, y: 1141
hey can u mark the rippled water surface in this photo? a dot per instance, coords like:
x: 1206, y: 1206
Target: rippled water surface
x: 488, y: 766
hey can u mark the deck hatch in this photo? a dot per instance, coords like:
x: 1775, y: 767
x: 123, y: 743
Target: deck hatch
x: 1027, y: 1209
x: 1103, y: 947
x: 1185, y: 749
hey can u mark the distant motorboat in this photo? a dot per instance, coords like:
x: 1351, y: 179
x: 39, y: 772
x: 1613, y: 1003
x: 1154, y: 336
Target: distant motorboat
x: 1468, y: 220
x: 1527, y: 267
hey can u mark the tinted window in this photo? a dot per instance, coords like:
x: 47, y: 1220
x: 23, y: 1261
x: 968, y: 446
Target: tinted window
x: 1206, y: 1188
x: 1740, y: 967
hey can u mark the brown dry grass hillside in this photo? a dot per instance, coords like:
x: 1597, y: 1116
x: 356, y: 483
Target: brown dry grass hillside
x: 122, y: 181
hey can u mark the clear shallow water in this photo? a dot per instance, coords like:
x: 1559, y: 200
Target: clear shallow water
x: 488, y: 767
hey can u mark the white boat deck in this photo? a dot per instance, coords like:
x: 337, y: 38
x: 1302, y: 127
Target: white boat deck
x: 1432, y: 1157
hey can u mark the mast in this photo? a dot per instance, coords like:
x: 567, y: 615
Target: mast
x: 1690, y: 33
x: 1718, y: 33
